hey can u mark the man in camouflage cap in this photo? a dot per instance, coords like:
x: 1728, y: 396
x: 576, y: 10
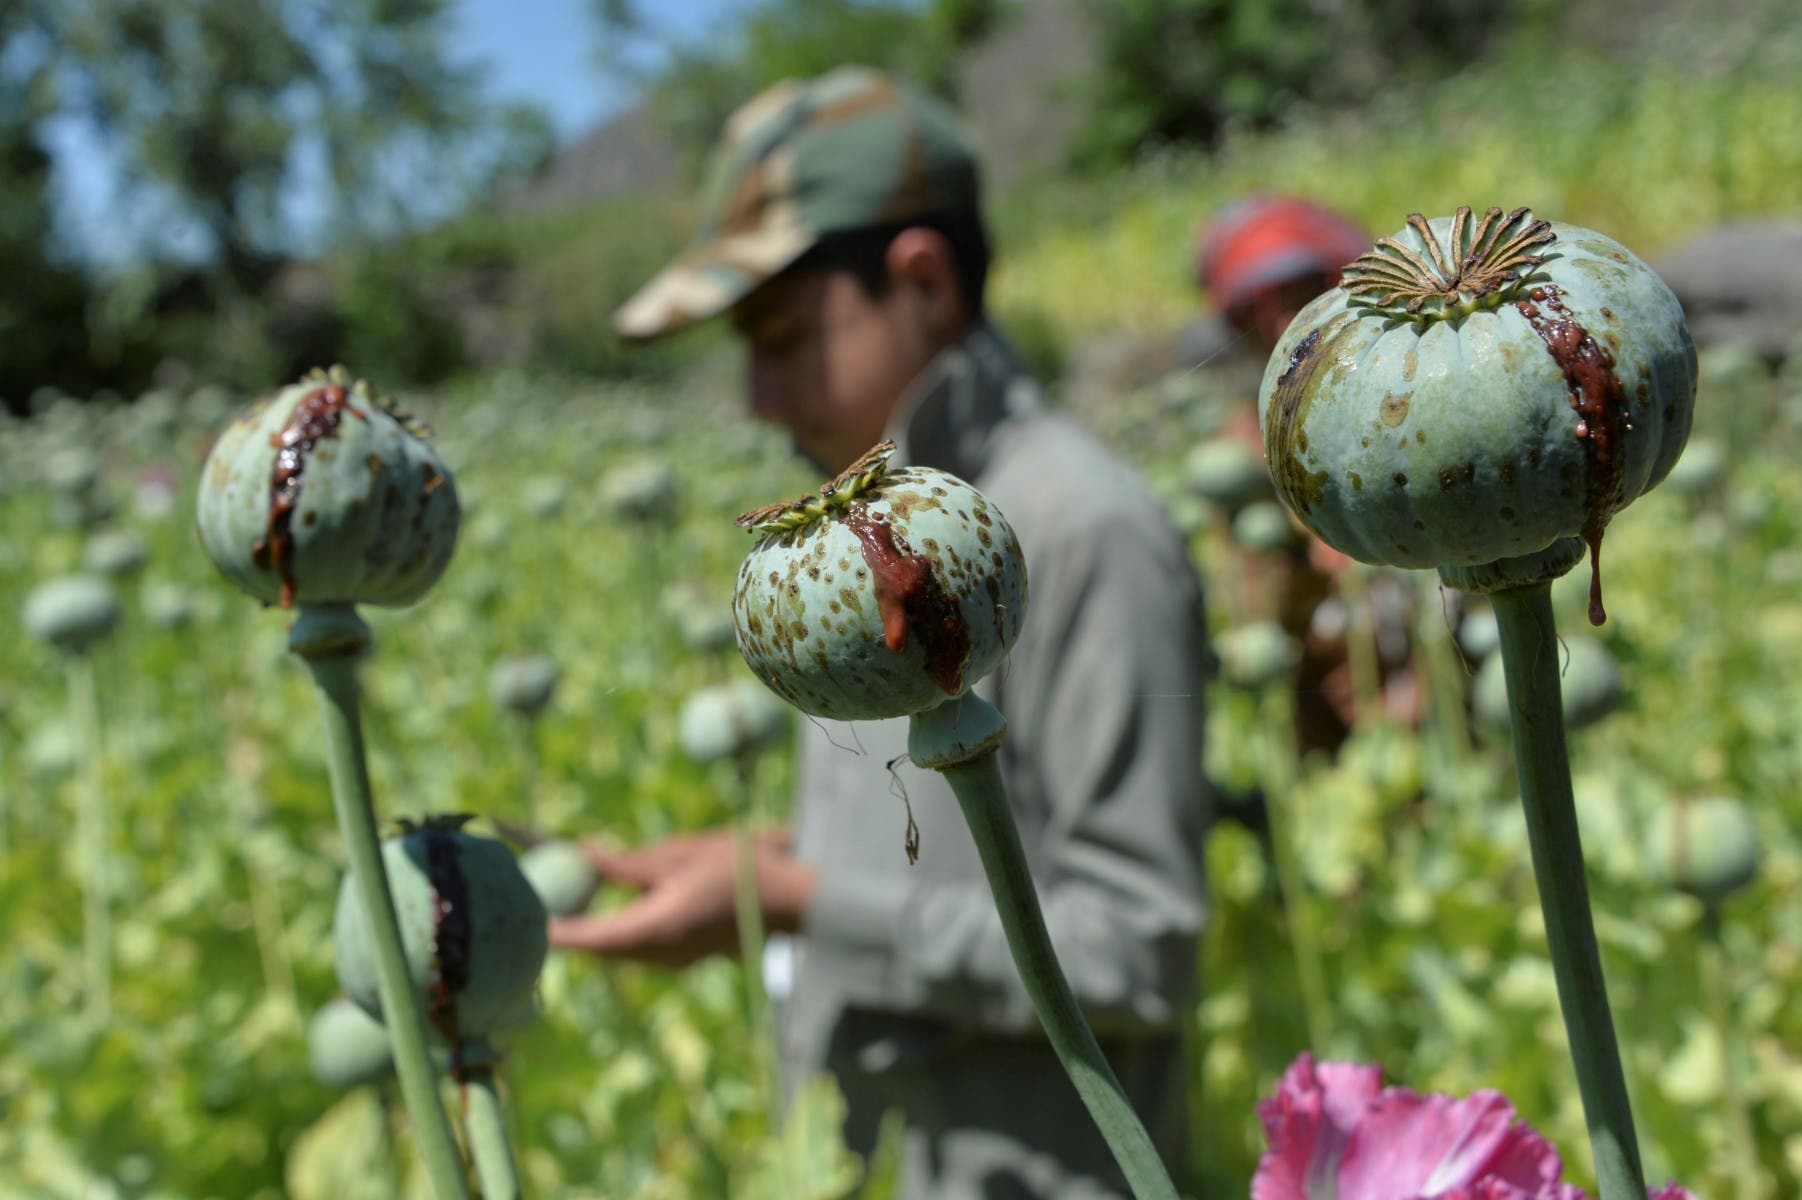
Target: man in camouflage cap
x: 844, y: 237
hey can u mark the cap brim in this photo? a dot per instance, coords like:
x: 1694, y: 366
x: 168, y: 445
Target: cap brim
x: 707, y: 280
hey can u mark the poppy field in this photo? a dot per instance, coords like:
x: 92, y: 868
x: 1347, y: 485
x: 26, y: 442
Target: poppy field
x: 168, y: 781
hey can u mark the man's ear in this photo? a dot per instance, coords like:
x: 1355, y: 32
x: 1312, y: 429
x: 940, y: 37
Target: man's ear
x: 921, y: 260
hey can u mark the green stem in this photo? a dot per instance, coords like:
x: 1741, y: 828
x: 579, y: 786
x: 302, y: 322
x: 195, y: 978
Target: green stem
x: 975, y: 777
x: 1445, y: 673
x: 384, y: 1098
x: 1279, y: 796
x: 1749, y: 1181
x: 90, y: 818
x: 1226, y: 578
x: 330, y: 641
x: 525, y: 744
x: 488, y: 1145
x: 748, y: 904
x: 1530, y: 661
x: 1361, y: 645
x: 272, y: 935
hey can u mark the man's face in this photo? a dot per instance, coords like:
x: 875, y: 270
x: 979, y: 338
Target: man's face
x: 829, y: 362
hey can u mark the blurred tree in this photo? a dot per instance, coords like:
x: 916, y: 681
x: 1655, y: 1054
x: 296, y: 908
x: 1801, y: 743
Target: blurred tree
x: 1186, y: 70
x: 695, y: 84
x: 43, y: 303
x: 239, y: 134
x: 235, y: 115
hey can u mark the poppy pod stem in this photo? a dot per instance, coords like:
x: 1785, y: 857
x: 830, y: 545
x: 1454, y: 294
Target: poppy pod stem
x: 488, y: 1144
x: 747, y: 906
x: 96, y: 922
x: 330, y: 639
x: 1278, y: 774
x: 1529, y: 648
x: 1749, y: 1182
x: 958, y: 739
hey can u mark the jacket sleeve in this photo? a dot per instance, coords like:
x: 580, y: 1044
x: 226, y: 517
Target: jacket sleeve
x: 1104, y: 701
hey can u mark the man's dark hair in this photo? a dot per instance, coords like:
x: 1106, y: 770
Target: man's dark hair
x: 864, y: 254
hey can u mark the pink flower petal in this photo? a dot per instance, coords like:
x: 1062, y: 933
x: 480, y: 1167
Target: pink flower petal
x: 1410, y: 1144
x: 1307, y: 1123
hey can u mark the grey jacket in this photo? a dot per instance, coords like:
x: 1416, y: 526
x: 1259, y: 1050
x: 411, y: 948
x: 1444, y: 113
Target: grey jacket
x: 904, y: 986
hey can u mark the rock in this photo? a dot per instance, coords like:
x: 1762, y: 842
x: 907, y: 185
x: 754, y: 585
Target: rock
x: 1740, y: 284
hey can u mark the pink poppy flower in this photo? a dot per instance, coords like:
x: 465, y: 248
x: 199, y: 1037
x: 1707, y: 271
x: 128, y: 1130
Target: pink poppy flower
x: 1336, y: 1133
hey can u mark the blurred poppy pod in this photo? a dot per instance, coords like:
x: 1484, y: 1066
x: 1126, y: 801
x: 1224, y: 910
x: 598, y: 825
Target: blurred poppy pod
x: 729, y: 720
x: 72, y: 613
x: 346, y: 1046
x: 472, y: 928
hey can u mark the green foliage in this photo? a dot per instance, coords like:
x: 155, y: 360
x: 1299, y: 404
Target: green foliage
x: 695, y: 85
x: 641, y: 1084
x: 396, y: 324
x: 1186, y: 71
x: 1559, y: 130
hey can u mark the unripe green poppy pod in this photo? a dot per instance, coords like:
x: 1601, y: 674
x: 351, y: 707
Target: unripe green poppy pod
x: 323, y: 494
x: 885, y: 595
x: 1708, y: 847
x: 346, y: 1046
x: 72, y: 612
x: 472, y: 927
x: 728, y: 720
x: 562, y: 874
x: 1479, y: 390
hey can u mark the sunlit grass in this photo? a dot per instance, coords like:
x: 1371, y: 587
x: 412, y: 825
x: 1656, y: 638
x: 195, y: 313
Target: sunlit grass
x: 1647, y: 156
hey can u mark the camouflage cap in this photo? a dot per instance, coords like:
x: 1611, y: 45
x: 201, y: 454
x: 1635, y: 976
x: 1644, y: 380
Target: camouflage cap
x: 848, y: 150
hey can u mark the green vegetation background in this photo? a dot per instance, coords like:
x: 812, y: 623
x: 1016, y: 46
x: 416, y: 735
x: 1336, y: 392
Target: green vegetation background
x: 636, y: 1084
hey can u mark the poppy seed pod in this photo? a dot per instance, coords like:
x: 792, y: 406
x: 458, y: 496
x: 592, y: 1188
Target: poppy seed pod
x: 472, y: 928
x: 728, y: 720
x: 1589, y: 689
x: 562, y: 875
x: 115, y: 553
x: 1223, y: 472
x: 524, y: 685
x: 346, y: 1046
x: 1257, y: 655
x: 885, y: 595
x: 1479, y: 390
x: 323, y: 494
x: 1707, y: 847
x: 644, y: 490
x: 72, y: 613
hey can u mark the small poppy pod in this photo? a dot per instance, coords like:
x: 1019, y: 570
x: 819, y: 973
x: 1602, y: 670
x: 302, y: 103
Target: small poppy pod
x: 524, y: 684
x: 563, y: 876
x: 471, y: 925
x: 72, y: 613
x: 1476, y: 390
x: 728, y: 720
x: 1707, y: 847
x: 885, y: 595
x: 323, y: 494
x: 347, y: 1047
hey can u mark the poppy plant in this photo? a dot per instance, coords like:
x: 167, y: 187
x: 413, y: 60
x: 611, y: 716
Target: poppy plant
x: 1336, y: 1133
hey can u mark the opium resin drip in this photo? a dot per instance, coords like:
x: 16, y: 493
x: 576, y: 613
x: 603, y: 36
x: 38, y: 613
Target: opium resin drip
x: 451, y: 932
x: 314, y: 419
x: 1603, y: 417
x: 910, y: 598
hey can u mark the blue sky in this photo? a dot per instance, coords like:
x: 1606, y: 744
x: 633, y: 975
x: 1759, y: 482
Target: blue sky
x: 544, y: 50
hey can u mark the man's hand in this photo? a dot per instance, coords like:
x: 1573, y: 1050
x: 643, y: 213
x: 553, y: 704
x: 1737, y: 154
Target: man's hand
x: 685, y: 909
